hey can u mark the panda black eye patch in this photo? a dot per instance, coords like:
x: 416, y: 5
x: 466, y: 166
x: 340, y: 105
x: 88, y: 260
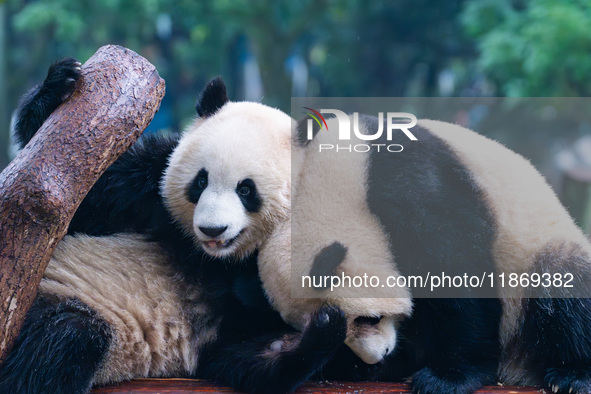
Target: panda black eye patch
x: 250, y: 198
x: 197, y: 187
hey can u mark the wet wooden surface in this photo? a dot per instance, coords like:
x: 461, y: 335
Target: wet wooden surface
x: 144, y: 386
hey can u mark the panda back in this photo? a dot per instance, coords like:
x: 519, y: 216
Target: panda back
x: 529, y: 217
x: 151, y: 311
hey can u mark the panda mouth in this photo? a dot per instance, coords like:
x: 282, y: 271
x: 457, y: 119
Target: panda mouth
x: 218, y: 244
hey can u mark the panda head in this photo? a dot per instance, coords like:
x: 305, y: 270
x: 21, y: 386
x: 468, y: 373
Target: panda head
x: 228, y: 180
x: 372, y: 322
x: 333, y: 232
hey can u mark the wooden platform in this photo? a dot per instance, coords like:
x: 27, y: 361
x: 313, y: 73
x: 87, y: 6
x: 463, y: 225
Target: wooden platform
x: 144, y: 386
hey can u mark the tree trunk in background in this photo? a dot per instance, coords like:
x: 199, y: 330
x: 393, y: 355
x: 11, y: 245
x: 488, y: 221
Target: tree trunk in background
x: 4, y: 114
x: 576, y: 195
x: 116, y: 98
x: 276, y: 80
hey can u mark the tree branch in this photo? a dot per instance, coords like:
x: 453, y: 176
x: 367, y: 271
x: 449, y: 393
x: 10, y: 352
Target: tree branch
x: 118, y: 94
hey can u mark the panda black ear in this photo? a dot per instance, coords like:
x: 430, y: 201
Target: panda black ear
x: 301, y: 133
x: 212, y: 97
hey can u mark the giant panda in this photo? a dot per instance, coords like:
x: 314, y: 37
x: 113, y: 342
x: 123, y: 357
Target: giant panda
x: 454, y: 200
x: 179, y: 294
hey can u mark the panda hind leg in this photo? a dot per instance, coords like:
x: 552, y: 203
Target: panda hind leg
x: 456, y: 344
x: 556, y: 337
x: 59, y: 349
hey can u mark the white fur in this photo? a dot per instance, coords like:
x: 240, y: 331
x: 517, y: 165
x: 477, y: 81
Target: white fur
x: 325, y: 195
x: 151, y: 310
x: 219, y: 206
x: 241, y: 140
x: 372, y: 343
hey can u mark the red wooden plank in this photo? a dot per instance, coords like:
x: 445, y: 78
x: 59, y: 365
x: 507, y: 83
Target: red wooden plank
x: 145, y: 386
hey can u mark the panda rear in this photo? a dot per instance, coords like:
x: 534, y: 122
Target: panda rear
x: 544, y: 333
x: 118, y: 298
x: 452, y: 201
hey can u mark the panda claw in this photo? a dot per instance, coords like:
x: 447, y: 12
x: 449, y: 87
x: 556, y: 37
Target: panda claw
x: 328, y: 327
x: 61, y: 80
x: 276, y: 346
x: 323, y: 319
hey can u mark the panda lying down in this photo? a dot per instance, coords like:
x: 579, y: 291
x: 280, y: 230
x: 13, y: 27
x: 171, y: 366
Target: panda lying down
x: 181, y: 296
x: 133, y: 315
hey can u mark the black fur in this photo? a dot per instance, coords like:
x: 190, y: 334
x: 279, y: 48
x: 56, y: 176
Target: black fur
x: 59, y: 348
x: 555, y: 337
x: 436, y: 219
x: 43, y: 99
x: 212, y: 98
x: 453, y: 342
x: 197, y: 187
x: 302, y: 354
x: 327, y: 261
x: 127, y: 198
x: 433, y: 347
x: 249, y: 195
x: 433, y: 212
x: 241, y: 355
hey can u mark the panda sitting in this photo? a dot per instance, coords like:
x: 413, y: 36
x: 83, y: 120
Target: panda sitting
x: 179, y: 294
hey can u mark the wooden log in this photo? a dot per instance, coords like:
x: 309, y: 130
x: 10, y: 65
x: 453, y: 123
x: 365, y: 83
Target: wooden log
x: 116, y: 98
x: 145, y: 386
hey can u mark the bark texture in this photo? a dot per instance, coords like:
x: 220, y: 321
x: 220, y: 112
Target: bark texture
x: 116, y: 98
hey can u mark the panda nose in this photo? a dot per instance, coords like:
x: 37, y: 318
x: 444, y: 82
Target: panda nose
x: 212, y: 231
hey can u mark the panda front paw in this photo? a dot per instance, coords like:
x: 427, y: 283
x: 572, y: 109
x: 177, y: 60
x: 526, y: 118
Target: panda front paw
x: 446, y: 380
x: 61, y: 79
x: 569, y: 380
x: 327, y: 328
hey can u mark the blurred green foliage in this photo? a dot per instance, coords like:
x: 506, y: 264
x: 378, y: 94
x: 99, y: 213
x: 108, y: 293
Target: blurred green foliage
x: 535, y: 47
x: 349, y: 47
